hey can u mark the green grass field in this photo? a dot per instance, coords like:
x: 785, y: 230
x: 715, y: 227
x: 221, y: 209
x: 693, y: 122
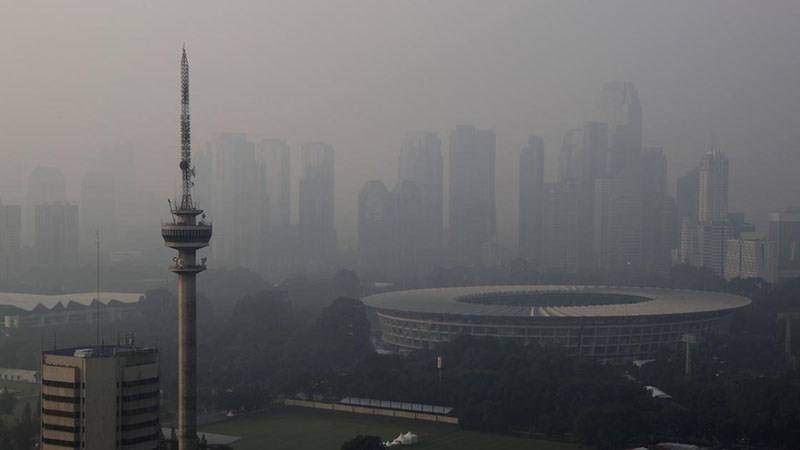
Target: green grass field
x: 307, y: 429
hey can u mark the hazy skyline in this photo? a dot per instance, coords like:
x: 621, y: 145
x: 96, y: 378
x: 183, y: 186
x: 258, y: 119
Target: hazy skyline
x: 80, y: 78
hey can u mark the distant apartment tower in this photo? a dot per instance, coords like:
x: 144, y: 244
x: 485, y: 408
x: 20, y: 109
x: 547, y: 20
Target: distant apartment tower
x: 239, y: 201
x: 620, y: 108
x: 784, y: 230
x: 472, y: 192
x: 45, y: 185
x: 100, y: 398
x: 56, y: 226
x: 564, y: 238
x: 420, y: 162
x: 751, y: 256
x: 617, y: 224
x: 317, y: 232
x: 10, y: 240
x: 531, y: 200
x: 274, y: 155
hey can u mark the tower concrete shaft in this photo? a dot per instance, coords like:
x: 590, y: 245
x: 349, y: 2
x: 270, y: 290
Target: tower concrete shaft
x: 186, y: 235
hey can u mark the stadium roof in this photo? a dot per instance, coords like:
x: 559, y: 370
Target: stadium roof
x: 29, y: 302
x: 548, y: 301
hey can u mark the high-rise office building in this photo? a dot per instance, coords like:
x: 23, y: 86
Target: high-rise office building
x: 531, y: 200
x: 373, y: 229
x: 472, y: 192
x: 45, y: 185
x: 56, y: 226
x: 688, y: 194
x: 660, y: 224
x: 620, y: 108
x: 317, y: 232
x: 239, y: 202
x: 784, y: 230
x: 10, y: 240
x: 98, y: 209
x: 100, y: 398
x: 275, y: 156
x: 713, y: 182
x: 563, y: 246
x: 617, y: 224
x: 421, y: 162
x: 751, y: 255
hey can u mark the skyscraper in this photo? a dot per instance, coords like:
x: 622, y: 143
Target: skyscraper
x: 619, y: 107
x: 100, y: 398
x: 688, y: 194
x: 659, y: 216
x: 563, y: 235
x: 10, y: 240
x: 472, y: 192
x: 531, y: 200
x: 784, y: 230
x: 317, y: 232
x: 45, y: 185
x: 239, y: 201
x: 617, y: 224
x: 374, y: 244
x: 56, y: 226
x: 713, y: 181
x: 186, y: 235
x: 274, y: 155
x: 421, y: 162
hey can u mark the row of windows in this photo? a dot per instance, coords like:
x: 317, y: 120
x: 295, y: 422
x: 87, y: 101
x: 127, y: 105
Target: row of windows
x: 61, y: 384
x: 140, y: 439
x: 146, y: 395
x: 140, y: 425
x: 57, y: 413
x: 136, y: 412
x: 61, y: 399
x: 53, y: 427
x: 142, y: 382
x: 60, y: 443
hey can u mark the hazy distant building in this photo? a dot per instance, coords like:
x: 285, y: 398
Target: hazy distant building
x: 531, y: 200
x: 563, y: 235
x: 274, y: 155
x: 421, y: 162
x: 45, y: 185
x: 739, y: 225
x: 56, y: 235
x: 239, y: 205
x: 713, y: 181
x: 617, y: 224
x: 98, y: 209
x: 751, y: 256
x: 317, y: 232
x: 660, y: 229
x: 10, y: 240
x: 784, y: 230
x: 120, y: 163
x: 688, y: 194
x: 620, y: 108
x: 374, y: 241
x: 472, y: 192
x: 100, y: 398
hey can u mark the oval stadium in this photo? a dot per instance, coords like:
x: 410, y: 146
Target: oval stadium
x: 613, y: 324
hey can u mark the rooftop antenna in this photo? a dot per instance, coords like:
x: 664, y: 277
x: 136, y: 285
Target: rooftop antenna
x: 98, y: 287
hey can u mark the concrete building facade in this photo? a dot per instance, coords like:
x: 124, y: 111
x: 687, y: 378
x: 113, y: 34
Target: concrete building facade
x: 100, y: 398
x: 751, y: 256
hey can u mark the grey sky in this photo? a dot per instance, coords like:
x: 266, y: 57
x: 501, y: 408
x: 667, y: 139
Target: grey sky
x: 80, y: 77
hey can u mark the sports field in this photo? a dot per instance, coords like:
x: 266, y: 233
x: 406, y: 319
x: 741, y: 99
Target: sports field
x: 306, y: 429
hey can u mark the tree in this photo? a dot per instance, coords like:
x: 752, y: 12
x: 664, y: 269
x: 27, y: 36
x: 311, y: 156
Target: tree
x: 363, y: 443
x: 7, y: 402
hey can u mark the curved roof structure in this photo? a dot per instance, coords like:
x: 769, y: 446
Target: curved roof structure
x: 555, y: 301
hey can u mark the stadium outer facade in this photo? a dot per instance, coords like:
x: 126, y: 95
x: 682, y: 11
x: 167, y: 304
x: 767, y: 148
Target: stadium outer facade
x: 613, y: 324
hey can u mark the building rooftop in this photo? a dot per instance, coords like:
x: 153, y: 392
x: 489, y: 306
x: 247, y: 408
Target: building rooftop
x: 555, y: 301
x: 98, y: 351
x: 30, y: 302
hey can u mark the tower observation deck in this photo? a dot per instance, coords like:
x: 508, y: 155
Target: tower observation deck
x: 186, y: 234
